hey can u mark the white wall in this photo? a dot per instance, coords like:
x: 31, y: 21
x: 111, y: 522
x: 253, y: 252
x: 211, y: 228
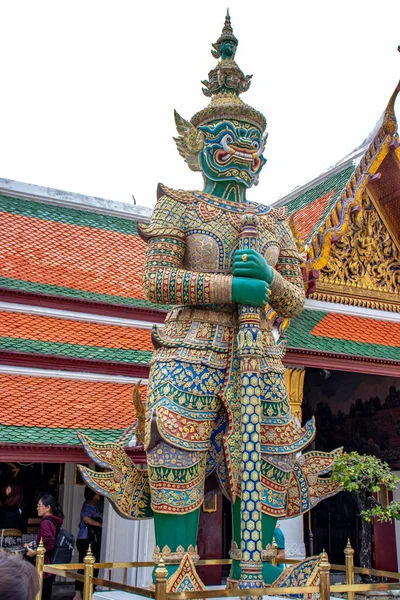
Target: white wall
x: 294, y: 541
x: 124, y: 540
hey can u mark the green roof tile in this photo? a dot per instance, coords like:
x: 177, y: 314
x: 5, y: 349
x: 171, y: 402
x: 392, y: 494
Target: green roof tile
x: 57, y: 290
x: 48, y: 435
x: 335, y: 182
x: 71, y: 216
x: 299, y: 336
x: 75, y: 350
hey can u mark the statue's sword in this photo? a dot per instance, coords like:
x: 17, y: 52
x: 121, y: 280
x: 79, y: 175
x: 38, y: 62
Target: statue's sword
x: 249, y: 348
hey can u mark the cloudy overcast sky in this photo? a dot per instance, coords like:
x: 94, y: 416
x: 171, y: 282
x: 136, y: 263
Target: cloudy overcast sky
x: 89, y: 87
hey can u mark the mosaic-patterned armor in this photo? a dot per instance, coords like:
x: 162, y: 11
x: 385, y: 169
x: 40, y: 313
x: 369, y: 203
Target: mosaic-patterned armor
x: 193, y: 394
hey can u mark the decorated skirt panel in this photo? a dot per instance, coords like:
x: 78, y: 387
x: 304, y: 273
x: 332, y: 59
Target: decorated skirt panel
x: 189, y: 430
x: 275, y: 479
x: 196, y: 411
x: 177, y: 490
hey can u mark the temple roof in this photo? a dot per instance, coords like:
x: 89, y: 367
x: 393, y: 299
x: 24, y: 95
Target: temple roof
x: 320, y: 209
x: 50, y: 409
x: 311, y: 206
x: 44, y: 407
x: 345, y: 334
x: 70, y: 253
x: 61, y: 337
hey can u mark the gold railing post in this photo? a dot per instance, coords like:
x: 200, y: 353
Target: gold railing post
x: 89, y: 561
x: 324, y: 577
x: 161, y: 581
x: 349, y: 561
x: 275, y: 552
x: 40, y: 552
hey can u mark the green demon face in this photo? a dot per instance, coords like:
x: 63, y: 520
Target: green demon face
x: 228, y: 49
x: 232, y: 152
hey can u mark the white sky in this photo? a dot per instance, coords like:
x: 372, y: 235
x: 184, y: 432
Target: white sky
x: 88, y: 87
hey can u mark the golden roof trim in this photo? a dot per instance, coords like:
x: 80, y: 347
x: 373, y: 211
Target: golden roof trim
x: 325, y: 296
x: 337, y: 221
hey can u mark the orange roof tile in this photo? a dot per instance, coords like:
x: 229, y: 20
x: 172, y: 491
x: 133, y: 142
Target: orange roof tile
x: 63, y: 403
x: 73, y: 256
x: 358, y: 329
x: 307, y: 217
x: 52, y: 329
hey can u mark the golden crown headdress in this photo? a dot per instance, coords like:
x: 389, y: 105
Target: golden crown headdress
x: 224, y: 85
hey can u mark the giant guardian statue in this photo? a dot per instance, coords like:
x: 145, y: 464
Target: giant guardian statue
x: 216, y: 404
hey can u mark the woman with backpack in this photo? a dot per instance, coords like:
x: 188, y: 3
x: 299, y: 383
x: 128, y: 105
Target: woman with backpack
x: 51, y: 522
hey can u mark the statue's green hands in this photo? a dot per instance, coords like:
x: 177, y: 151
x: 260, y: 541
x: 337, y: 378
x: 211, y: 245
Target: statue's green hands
x: 249, y: 263
x: 249, y: 291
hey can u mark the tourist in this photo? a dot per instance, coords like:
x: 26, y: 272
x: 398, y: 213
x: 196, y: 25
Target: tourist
x: 18, y: 578
x: 12, y: 520
x: 52, y: 520
x: 90, y: 529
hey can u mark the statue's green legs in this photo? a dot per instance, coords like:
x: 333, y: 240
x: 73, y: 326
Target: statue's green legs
x: 176, y: 530
x: 270, y: 573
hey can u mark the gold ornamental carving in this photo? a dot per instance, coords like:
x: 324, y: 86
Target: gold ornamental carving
x: 267, y: 555
x: 364, y: 264
x: 174, y: 558
x: 140, y: 414
x: 294, y: 381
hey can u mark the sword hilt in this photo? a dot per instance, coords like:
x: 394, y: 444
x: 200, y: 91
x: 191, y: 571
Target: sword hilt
x: 249, y: 334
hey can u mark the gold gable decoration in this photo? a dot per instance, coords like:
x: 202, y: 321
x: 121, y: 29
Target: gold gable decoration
x: 363, y: 267
x: 337, y: 221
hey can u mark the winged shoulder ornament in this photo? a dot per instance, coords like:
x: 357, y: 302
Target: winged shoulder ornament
x: 189, y: 143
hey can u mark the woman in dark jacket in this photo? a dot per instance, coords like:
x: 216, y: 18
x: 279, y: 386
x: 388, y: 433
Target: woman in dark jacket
x: 12, y: 520
x: 52, y: 520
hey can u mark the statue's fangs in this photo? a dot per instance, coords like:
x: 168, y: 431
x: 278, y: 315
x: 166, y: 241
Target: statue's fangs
x: 216, y: 401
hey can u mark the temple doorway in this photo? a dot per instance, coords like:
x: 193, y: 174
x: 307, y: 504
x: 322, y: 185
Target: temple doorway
x: 360, y: 412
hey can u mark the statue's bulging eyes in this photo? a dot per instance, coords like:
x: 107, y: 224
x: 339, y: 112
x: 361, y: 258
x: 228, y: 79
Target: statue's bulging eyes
x: 227, y: 139
x: 221, y: 139
x: 256, y: 144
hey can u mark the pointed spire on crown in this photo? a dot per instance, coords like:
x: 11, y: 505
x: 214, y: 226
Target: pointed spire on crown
x: 225, y: 83
x: 226, y: 35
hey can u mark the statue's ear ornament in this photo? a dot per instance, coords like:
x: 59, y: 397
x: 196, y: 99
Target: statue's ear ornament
x: 264, y: 142
x: 189, y: 143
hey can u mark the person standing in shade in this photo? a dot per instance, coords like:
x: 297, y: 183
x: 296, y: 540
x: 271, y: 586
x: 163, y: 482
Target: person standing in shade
x: 90, y: 529
x: 50, y: 525
x: 12, y: 519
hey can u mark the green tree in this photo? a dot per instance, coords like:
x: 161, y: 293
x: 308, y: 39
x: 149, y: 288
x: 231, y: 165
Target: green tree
x: 362, y: 476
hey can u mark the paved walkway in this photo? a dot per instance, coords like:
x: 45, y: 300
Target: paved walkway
x: 63, y: 591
